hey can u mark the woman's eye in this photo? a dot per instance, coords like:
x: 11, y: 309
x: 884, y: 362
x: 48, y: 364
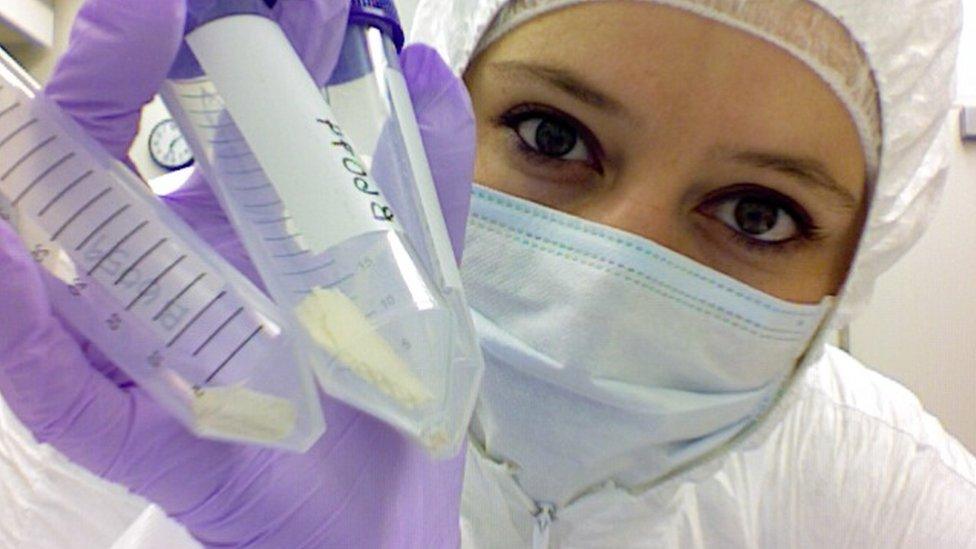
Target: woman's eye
x: 553, y: 138
x: 758, y: 218
x: 555, y: 141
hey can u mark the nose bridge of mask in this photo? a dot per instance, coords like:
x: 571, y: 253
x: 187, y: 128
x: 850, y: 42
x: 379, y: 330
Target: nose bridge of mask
x: 622, y: 307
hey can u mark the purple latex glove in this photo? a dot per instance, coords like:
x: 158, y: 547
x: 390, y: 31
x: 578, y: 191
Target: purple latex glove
x: 362, y: 484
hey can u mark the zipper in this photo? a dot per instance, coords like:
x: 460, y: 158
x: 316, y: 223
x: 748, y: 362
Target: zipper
x: 543, y: 520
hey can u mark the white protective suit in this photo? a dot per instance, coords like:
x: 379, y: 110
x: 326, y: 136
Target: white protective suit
x: 845, y: 458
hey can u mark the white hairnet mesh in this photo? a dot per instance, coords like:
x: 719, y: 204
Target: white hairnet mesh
x: 910, y: 49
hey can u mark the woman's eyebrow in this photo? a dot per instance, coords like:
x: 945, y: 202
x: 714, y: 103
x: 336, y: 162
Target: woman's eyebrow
x: 807, y: 170
x: 563, y: 79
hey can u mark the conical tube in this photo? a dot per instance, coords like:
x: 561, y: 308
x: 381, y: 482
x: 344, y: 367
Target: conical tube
x: 135, y: 280
x: 328, y: 245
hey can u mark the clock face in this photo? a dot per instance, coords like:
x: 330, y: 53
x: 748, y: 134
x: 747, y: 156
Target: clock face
x: 168, y: 148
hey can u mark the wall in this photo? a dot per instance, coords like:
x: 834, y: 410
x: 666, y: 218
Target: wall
x: 33, y: 19
x: 921, y: 326
x: 39, y: 61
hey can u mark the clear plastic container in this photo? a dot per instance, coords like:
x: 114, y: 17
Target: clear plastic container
x: 130, y: 276
x: 383, y: 313
x: 369, y: 96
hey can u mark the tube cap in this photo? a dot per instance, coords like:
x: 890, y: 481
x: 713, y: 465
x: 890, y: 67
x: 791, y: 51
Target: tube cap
x: 200, y: 12
x: 381, y: 14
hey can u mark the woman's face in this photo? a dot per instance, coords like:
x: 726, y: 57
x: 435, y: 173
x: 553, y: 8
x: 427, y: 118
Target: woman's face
x: 702, y: 138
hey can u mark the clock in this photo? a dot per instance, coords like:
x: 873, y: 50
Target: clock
x: 168, y: 147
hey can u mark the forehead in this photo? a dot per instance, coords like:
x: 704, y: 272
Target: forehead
x: 678, y: 73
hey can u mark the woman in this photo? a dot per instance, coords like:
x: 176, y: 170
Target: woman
x: 637, y: 398
x: 671, y: 194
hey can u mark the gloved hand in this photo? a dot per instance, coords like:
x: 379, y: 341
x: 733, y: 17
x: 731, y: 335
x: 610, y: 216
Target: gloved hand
x: 362, y: 484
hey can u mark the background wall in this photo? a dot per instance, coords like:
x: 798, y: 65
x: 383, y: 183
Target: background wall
x: 40, y: 60
x: 921, y: 327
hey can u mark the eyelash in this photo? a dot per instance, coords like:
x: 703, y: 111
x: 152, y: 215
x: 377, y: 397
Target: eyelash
x: 808, y: 230
x: 519, y: 114
x: 764, y: 247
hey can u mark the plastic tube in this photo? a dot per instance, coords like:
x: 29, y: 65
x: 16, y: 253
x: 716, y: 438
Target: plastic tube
x: 130, y: 276
x: 385, y: 323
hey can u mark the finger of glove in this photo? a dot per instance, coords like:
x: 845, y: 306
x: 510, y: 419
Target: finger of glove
x: 315, y: 29
x: 118, y: 55
x: 446, y: 121
x: 44, y: 376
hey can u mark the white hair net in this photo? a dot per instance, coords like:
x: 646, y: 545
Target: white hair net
x: 894, y: 70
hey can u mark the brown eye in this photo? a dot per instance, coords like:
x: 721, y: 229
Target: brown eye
x: 553, y: 138
x: 757, y: 218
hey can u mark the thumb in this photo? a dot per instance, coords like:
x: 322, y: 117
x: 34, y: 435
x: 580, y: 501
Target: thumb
x: 44, y: 376
x: 118, y: 55
x: 23, y: 300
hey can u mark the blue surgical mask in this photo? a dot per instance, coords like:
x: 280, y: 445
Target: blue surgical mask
x: 610, y: 357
